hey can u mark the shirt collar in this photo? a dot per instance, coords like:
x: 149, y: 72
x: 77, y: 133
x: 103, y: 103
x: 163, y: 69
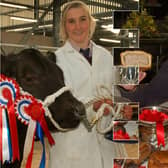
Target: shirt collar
x: 78, y: 48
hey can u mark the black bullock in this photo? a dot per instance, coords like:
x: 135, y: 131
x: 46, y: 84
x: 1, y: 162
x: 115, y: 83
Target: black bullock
x: 41, y: 77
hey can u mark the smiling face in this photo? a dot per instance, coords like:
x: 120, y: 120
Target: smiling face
x: 77, y: 26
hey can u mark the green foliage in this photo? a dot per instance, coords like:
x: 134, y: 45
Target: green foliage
x: 144, y: 22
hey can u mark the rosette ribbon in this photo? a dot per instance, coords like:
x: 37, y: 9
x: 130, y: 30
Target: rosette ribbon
x: 5, y: 141
x: 116, y: 165
x: 39, y: 134
x: 30, y: 111
x: 120, y: 135
x: 152, y: 115
x: 9, y: 91
x: 1, y: 110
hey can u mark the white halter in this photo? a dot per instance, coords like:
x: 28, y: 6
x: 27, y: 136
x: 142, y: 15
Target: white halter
x: 115, y: 112
x: 49, y: 100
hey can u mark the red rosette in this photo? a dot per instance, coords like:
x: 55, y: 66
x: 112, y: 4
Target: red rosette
x: 9, y: 90
x: 22, y: 106
x: 26, y: 108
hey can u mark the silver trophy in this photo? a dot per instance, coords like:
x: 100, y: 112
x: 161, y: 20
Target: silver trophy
x: 129, y: 75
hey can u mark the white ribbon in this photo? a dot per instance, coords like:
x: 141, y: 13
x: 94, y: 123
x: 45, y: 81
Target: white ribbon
x: 5, y: 142
x: 28, y: 141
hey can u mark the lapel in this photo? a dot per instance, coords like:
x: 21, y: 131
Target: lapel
x: 95, y: 58
x: 75, y: 55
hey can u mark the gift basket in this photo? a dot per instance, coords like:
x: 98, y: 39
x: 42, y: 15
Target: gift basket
x: 153, y: 126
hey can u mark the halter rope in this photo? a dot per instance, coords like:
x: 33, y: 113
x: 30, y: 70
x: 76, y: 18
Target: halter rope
x: 115, y: 111
x: 98, y: 117
x: 115, y: 115
x: 49, y: 100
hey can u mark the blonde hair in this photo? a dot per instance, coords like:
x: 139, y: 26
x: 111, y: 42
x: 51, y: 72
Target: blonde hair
x: 67, y: 7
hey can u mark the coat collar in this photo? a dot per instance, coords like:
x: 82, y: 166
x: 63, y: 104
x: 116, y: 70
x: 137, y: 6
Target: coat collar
x: 71, y: 52
x: 75, y: 54
x: 71, y: 48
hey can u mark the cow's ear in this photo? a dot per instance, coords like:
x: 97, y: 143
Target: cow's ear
x: 8, y: 65
x: 51, y: 56
x: 4, y: 64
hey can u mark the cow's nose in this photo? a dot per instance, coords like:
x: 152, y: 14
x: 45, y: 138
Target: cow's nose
x: 80, y: 113
x: 80, y: 109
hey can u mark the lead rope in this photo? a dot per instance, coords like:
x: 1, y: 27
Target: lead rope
x: 49, y: 100
x: 100, y: 113
x: 115, y: 111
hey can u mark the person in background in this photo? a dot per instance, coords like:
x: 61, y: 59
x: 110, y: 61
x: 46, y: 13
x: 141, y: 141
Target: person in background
x: 155, y: 92
x: 86, y: 67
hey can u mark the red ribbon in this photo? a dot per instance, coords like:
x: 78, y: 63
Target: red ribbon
x: 158, y: 117
x: 36, y: 112
x: 116, y: 165
x: 12, y: 122
x: 120, y: 135
x: 1, y: 133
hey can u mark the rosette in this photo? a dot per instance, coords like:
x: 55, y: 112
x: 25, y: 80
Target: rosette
x: 21, y: 108
x: 9, y: 91
x: 31, y: 113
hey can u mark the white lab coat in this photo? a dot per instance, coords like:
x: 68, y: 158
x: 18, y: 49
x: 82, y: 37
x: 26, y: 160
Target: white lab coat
x: 80, y: 148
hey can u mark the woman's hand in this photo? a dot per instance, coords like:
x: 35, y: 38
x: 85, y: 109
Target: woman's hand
x: 142, y: 75
x: 127, y: 112
x: 98, y: 104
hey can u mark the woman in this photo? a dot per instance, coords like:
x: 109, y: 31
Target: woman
x: 80, y: 148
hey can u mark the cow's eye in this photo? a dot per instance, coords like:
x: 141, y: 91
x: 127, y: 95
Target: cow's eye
x: 30, y: 79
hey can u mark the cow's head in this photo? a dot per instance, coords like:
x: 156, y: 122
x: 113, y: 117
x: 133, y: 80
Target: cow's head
x: 42, y: 77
